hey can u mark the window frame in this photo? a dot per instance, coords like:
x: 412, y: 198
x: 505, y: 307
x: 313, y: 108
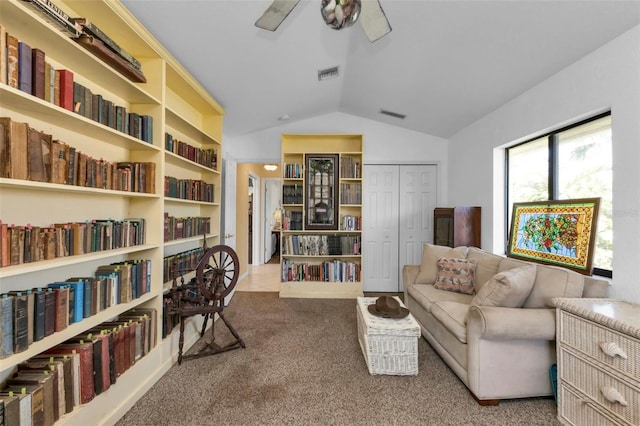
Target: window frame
x: 552, y: 175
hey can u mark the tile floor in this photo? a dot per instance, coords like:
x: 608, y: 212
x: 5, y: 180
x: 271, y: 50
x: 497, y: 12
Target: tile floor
x: 261, y: 278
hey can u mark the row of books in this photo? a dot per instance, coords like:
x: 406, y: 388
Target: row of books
x: 350, y: 223
x: 204, y: 157
x: 46, y: 387
x: 292, y: 171
x: 350, y: 168
x: 321, y: 245
x: 292, y: 194
x: 292, y: 220
x: 350, y: 193
x: 27, y: 243
x: 27, y: 69
x: 189, y: 189
x: 185, y: 227
x: 29, y: 154
x: 90, y: 37
x: 31, y: 315
x: 181, y: 263
x: 329, y: 271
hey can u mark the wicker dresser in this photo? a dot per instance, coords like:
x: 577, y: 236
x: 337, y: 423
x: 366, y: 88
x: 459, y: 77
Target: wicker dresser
x: 598, y: 344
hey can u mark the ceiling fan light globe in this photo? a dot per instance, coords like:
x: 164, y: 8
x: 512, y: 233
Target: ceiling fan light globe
x: 340, y: 14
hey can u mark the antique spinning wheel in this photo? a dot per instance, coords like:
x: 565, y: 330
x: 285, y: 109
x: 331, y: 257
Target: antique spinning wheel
x: 216, y: 276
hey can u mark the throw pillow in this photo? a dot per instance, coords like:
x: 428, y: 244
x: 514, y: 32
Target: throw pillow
x: 456, y: 275
x: 508, y: 289
x: 430, y: 255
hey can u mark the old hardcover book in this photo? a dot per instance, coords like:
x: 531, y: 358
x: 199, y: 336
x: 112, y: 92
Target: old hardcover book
x: 39, y: 296
x: 88, y: 103
x: 24, y: 67
x: 56, y: 87
x: 91, y: 29
x: 64, y: 365
x: 19, y: 298
x: 6, y: 322
x: 66, y: 88
x: 85, y: 351
x: 48, y: 82
x: 107, y: 359
x: 98, y: 48
x: 16, y: 136
x: 32, y: 396
x: 3, y: 54
x: 24, y: 405
x: 58, y: 162
x: 38, y: 73
x: 12, y: 61
x: 72, y: 160
x: 55, y: 369
x: 49, y: 311
x: 78, y: 98
x: 62, y: 308
x: 11, y: 410
x: 46, y: 381
x: 77, y: 301
x: 20, y: 322
x: 37, y: 143
x: 96, y: 364
x: 5, y: 259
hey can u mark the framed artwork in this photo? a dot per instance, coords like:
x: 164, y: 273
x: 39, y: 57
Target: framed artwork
x: 560, y: 233
x: 321, y: 192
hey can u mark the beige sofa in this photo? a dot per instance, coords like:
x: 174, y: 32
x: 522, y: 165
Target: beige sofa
x: 502, y: 351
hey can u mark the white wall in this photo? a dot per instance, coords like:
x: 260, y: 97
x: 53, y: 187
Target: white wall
x: 608, y: 78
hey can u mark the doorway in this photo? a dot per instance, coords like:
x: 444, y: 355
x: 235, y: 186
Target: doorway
x: 398, y: 203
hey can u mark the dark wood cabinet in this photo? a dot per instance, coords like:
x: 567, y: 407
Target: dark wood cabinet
x: 456, y: 226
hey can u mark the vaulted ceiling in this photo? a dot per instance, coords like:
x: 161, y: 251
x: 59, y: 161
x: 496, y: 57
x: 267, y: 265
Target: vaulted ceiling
x: 445, y: 64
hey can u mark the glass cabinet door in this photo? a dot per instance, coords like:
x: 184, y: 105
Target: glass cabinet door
x: 321, y: 191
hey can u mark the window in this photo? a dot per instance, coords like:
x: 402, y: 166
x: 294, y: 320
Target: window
x: 573, y: 162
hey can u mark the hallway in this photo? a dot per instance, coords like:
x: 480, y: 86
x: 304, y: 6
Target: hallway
x: 261, y: 278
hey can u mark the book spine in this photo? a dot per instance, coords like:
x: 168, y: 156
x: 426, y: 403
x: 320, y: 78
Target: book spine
x: 49, y: 312
x: 66, y: 89
x: 39, y: 314
x: 24, y: 67
x: 38, y: 73
x: 20, y: 323
x: 12, y: 61
x: 6, y: 321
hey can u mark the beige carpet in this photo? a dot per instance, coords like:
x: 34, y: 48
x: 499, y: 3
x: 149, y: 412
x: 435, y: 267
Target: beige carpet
x: 303, y: 366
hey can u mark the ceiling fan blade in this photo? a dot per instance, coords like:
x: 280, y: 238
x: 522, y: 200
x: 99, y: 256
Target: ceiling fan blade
x: 275, y: 14
x: 373, y: 20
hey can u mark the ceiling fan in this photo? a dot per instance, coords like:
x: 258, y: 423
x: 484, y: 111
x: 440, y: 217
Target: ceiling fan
x: 336, y: 13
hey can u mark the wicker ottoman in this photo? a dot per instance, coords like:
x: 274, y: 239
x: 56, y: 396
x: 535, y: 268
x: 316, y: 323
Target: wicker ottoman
x: 389, y: 346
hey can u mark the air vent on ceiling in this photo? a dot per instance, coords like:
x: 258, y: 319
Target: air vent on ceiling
x: 393, y: 114
x: 327, y: 73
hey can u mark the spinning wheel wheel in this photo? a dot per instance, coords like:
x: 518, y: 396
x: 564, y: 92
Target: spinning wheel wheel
x: 216, y: 276
x: 217, y: 271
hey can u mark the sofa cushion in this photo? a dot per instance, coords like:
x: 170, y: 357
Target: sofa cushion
x: 487, y: 265
x: 426, y: 295
x: 507, y: 289
x: 430, y: 255
x: 551, y: 281
x: 456, y: 275
x: 452, y: 315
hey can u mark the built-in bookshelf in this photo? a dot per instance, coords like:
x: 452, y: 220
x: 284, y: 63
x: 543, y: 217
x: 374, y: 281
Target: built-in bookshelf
x: 137, y: 132
x: 321, y: 231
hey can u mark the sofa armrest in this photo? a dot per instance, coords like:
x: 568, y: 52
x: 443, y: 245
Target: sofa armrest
x: 595, y: 287
x: 409, y: 274
x: 490, y: 322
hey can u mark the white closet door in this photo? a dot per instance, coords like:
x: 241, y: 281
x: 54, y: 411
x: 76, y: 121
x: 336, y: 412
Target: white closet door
x: 380, y: 233
x: 398, y: 205
x: 418, y: 194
